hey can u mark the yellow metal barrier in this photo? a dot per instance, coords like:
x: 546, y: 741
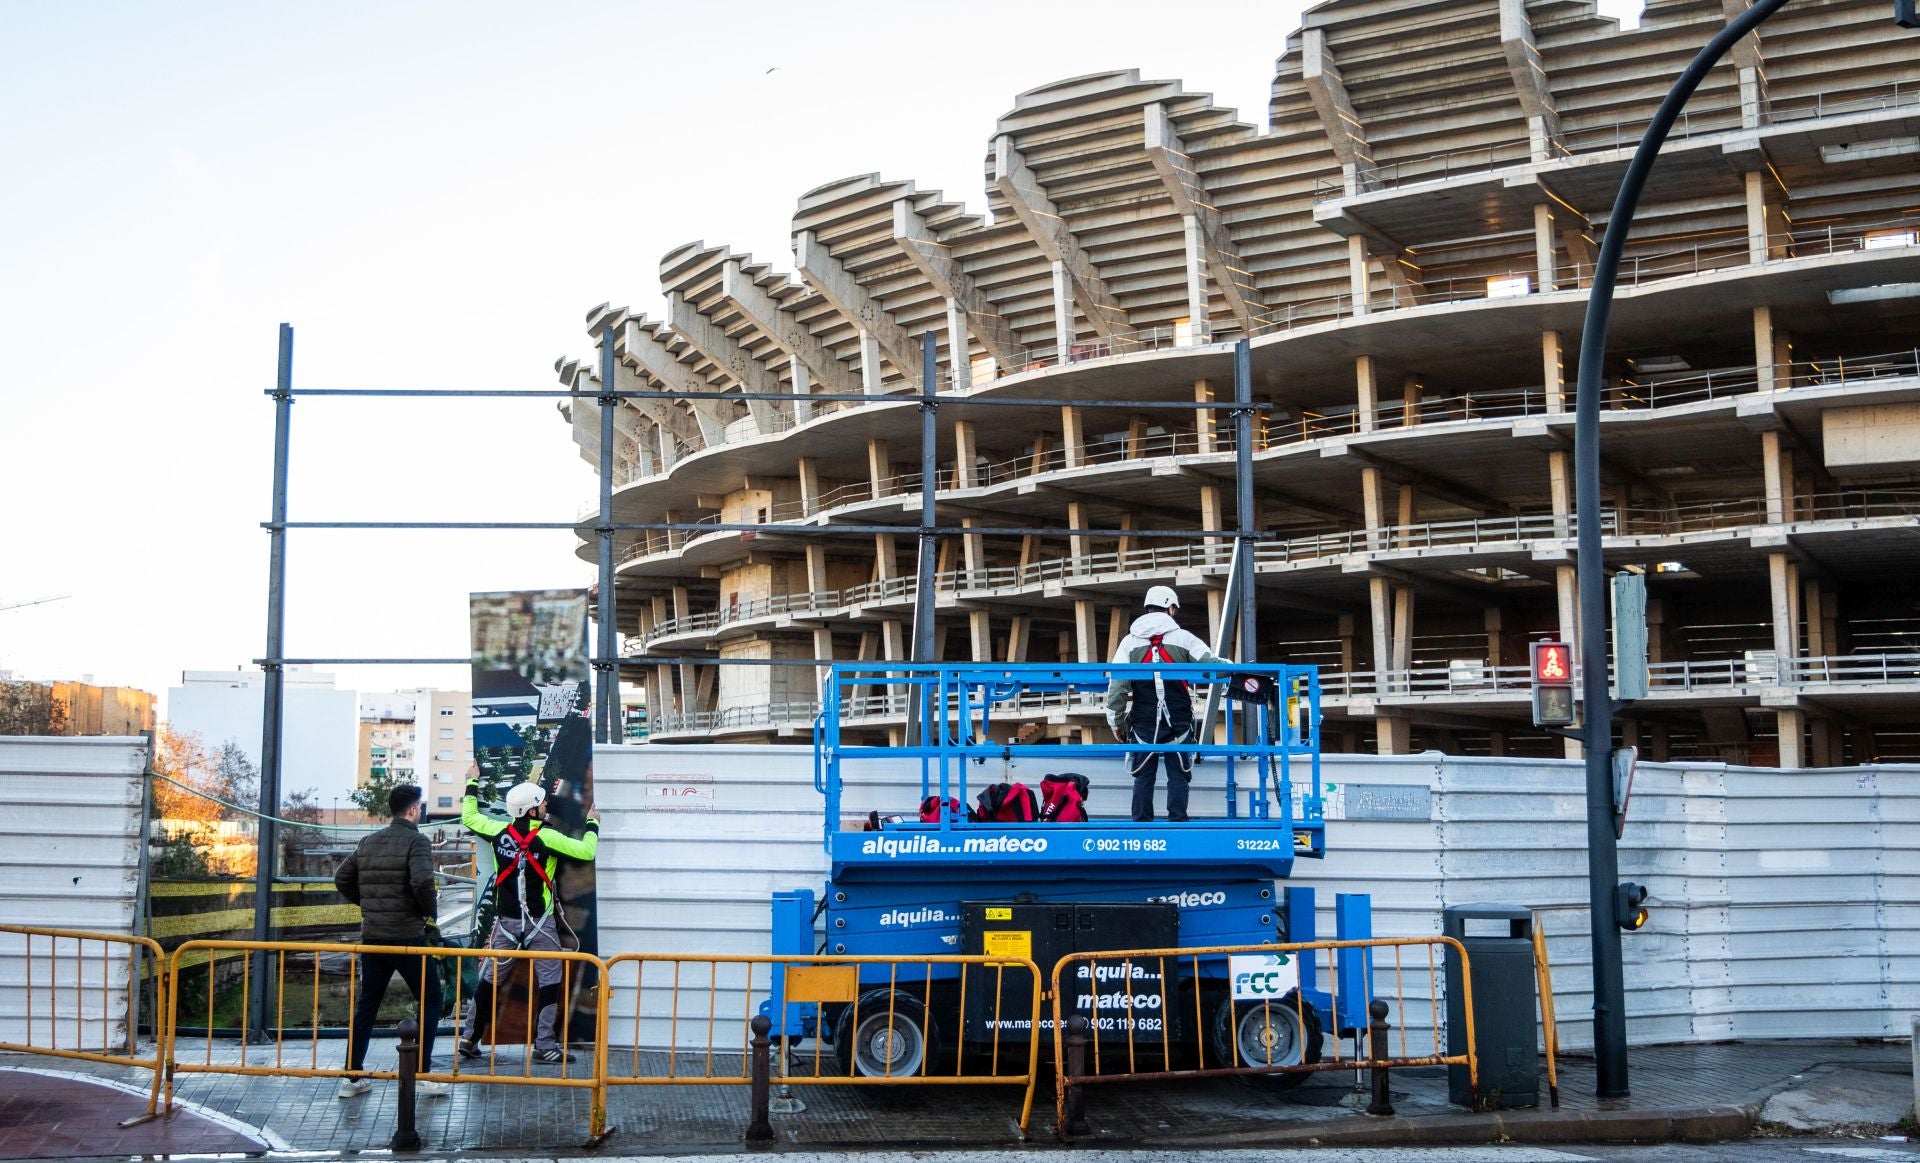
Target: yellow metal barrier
x: 1146, y: 1020
x: 1549, y: 1025
x: 239, y: 957
x: 890, y: 1040
x: 70, y: 973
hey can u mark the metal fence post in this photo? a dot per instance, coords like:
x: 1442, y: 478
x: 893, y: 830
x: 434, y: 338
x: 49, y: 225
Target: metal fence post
x: 1075, y: 1113
x: 760, y: 1130
x: 405, y: 1135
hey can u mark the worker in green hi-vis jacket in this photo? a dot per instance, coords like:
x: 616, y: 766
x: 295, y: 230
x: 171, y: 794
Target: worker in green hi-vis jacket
x: 525, y: 916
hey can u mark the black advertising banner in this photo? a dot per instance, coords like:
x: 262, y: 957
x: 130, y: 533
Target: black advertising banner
x: 532, y: 721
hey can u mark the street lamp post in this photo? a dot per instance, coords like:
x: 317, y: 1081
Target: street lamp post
x: 1603, y: 858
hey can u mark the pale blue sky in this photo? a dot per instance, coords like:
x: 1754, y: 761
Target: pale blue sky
x: 433, y: 194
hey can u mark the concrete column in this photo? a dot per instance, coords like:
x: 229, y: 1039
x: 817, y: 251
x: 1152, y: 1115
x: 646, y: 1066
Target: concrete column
x: 1073, y: 437
x: 1346, y: 633
x: 980, y: 635
x: 663, y: 685
x: 1078, y: 547
x: 1063, y: 325
x: 802, y: 384
x: 816, y: 568
x: 1494, y: 621
x: 1402, y: 627
x: 1780, y: 578
x: 1553, y: 371
x: 893, y: 639
x: 1086, y: 628
x: 1197, y: 313
x: 1410, y: 392
x: 1367, y: 394
x: 1403, y: 517
x: 965, y: 452
x: 879, y: 469
x: 870, y: 373
x: 1019, y: 631
x: 1772, y: 352
x: 1373, y: 505
x: 1211, y: 514
x: 1216, y: 613
x: 959, y: 350
x: 1206, y: 424
x: 1792, y: 725
x: 1775, y: 477
x: 1560, y: 488
x: 1357, y: 272
x: 809, y: 471
x: 1543, y: 256
x: 1117, y: 623
x: 669, y: 453
x: 1766, y: 221
x: 1380, y: 611
x: 886, y: 566
x: 973, y: 547
x: 822, y: 648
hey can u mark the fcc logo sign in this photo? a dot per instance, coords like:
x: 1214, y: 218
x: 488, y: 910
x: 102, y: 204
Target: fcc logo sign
x: 1263, y: 976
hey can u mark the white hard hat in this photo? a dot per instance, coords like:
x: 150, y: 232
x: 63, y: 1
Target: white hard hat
x: 1163, y: 596
x: 524, y: 797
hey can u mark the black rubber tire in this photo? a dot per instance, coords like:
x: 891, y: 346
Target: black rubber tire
x: 1265, y: 1028
x: 869, y: 1051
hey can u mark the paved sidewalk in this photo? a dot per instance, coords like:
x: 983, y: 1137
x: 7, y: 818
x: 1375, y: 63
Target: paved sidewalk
x: 51, y: 1113
x: 1687, y: 1092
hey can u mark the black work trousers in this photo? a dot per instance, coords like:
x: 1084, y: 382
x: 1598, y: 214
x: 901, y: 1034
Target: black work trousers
x: 376, y: 972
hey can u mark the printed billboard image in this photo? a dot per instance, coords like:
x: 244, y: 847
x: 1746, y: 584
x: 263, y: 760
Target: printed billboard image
x: 532, y: 723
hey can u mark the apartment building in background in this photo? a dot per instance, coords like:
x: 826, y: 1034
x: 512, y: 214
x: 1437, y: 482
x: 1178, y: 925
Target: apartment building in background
x: 1407, y: 246
x: 421, y: 735
x: 317, y: 750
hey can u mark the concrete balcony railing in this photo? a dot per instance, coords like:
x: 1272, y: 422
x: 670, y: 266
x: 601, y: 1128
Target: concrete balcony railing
x: 1692, y: 518
x: 1731, y: 677
x: 1273, y: 433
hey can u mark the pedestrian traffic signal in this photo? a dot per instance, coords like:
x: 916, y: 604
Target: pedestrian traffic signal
x: 1553, y: 704
x: 1629, y: 910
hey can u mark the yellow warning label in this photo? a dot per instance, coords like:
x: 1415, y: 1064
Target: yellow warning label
x: 1293, y: 712
x: 1008, y: 943
x: 994, y: 914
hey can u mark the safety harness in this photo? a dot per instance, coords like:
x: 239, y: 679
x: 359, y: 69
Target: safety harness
x: 1163, y: 730
x: 514, y: 848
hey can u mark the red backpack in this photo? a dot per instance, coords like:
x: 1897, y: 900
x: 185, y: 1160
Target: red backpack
x: 930, y: 810
x: 1066, y: 798
x: 1007, y: 803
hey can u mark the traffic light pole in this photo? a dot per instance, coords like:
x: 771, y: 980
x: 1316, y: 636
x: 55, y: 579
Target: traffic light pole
x: 1603, y: 858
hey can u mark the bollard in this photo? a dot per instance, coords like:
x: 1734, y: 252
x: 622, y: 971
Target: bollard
x: 1377, y: 1048
x: 405, y: 1136
x: 760, y: 1130
x: 1078, y: 1029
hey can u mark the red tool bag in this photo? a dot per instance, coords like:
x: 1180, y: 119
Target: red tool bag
x: 1007, y: 803
x: 930, y: 810
x: 1066, y: 798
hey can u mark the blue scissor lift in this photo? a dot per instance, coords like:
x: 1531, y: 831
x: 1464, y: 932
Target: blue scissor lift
x: 903, y: 891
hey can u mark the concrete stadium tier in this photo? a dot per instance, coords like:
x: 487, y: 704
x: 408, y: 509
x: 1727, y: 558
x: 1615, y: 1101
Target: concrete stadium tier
x: 1407, y: 247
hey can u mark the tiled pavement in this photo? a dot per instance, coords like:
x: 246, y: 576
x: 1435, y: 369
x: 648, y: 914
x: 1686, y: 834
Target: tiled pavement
x: 48, y: 1113
x: 305, y: 1114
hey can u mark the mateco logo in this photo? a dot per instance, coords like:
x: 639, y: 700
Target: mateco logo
x: 925, y: 845
x: 1191, y: 900
x: 908, y: 918
x: 1263, y: 976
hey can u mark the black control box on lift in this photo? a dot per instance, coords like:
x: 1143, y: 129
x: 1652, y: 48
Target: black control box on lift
x: 1117, y: 997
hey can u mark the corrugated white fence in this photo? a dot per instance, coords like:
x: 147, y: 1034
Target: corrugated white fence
x: 1784, y: 903
x: 74, y: 864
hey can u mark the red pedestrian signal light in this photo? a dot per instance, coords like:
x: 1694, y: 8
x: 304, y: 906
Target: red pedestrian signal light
x: 1553, y: 702
x: 1552, y: 663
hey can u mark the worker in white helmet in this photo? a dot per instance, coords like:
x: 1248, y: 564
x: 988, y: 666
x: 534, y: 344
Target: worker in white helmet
x: 1156, y: 710
x: 526, y: 913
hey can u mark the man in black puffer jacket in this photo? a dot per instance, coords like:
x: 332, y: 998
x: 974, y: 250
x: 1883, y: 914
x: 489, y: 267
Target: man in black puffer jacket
x: 390, y: 876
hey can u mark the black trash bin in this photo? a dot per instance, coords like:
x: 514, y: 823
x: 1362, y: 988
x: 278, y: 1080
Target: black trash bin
x: 1499, y: 944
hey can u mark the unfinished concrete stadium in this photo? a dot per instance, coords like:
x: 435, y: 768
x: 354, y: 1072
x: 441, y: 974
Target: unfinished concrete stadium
x: 1407, y: 249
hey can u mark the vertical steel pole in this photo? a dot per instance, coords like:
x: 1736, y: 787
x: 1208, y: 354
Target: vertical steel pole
x: 608, y: 724
x: 1243, y: 495
x: 1603, y: 856
x: 272, y: 684
x: 929, y: 540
